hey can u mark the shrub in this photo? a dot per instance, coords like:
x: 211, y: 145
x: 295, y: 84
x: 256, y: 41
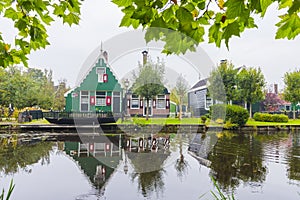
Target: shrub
x: 236, y: 115
x: 219, y: 121
x: 217, y: 111
x: 280, y: 118
x: 266, y: 117
x: 233, y: 113
x: 203, y: 118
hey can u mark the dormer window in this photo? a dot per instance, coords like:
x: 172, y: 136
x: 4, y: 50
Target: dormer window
x: 101, y: 71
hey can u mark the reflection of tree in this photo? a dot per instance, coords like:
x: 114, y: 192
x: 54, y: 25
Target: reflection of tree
x: 148, y: 167
x: 237, y: 158
x: 181, y: 164
x: 149, y: 182
x: 15, y: 156
x: 294, y: 158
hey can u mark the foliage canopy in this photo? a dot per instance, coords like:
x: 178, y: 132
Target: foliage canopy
x: 292, y: 90
x: 184, y: 21
x: 221, y: 18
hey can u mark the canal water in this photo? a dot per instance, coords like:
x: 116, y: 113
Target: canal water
x: 175, y: 166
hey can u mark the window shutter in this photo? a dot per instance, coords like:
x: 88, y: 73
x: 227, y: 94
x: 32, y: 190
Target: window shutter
x: 141, y: 103
x: 105, y: 78
x: 167, y: 104
x: 108, y: 100
x: 128, y: 103
x: 92, y: 100
x: 154, y: 103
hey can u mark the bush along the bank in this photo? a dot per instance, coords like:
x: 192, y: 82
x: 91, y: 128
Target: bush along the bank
x: 236, y: 115
x: 266, y: 117
x: 232, y: 113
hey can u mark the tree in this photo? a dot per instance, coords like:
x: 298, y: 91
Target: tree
x: 182, y: 21
x: 148, y: 81
x: 272, y: 101
x: 250, y: 86
x: 192, y: 18
x: 181, y: 89
x: 59, y: 98
x: 223, y: 81
x: 31, y: 18
x: 292, y: 91
x: 27, y: 88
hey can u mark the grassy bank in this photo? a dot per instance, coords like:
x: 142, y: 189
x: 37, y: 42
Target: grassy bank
x: 139, y: 120
x: 252, y: 122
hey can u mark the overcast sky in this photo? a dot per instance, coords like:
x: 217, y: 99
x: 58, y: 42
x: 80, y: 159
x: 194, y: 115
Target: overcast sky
x: 70, y: 46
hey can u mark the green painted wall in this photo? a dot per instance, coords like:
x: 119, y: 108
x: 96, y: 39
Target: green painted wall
x: 172, y: 107
x: 91, y: 84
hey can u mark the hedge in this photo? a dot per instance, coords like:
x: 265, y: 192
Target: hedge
x: 266, y: 117
x: 232, y: 113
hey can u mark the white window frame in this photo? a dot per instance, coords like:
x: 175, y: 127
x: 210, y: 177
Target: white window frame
x: 88, y: 99
x: 96, y: 102
x: 211, y: 102
x: 100, y: 73
x: 157, y: 102
x: 131, y: 101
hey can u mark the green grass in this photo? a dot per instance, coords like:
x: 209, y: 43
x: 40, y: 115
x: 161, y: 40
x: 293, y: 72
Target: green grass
x: 143, y: 121
x: 252, y: 122
x: 37, y: 121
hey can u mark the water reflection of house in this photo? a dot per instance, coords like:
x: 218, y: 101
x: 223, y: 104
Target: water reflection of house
x: 201, y: 145
x: 147, y: 152
x: 97, y: 157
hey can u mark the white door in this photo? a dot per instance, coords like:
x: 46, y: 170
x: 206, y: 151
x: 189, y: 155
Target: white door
x: 145, y: 107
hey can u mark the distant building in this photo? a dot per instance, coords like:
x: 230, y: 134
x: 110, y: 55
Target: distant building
x: 198, y: 99
x: 159, y: 106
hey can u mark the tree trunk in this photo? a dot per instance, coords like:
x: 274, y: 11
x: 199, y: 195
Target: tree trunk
x: 294, y: 111
x: 180, y: 109
x: 250, y: 110
x: 147, y: 109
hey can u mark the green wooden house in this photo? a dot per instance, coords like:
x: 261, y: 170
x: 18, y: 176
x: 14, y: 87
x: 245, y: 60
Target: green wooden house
x: 99, y: 90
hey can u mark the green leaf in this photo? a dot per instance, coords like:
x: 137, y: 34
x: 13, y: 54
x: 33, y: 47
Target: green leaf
x: 230, y: 30
x: 201, y: 5
x: 215, y: 35
x: 47, y: 19
x: 122, y: 3
x: 289, y: 27
x: 295, y: 7
x: 12, y: 14
x: 168, y: 14
x: 264, y: 5
x: 71, y: 18
x: 285, y: 3
x: 184, y: 16
x: 234, y: 8
x: 198, y: 34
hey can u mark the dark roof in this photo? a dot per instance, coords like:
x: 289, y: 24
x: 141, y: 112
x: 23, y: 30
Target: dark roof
x: 200, y: 83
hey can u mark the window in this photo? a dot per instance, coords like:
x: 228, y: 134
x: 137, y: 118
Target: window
x: 100, y: 71
x: 100, y: 98
x: 116, y: 94
x: 84, y: 101
x: 135, y: 101
x: 161, y: 101
x: 208, y: 102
